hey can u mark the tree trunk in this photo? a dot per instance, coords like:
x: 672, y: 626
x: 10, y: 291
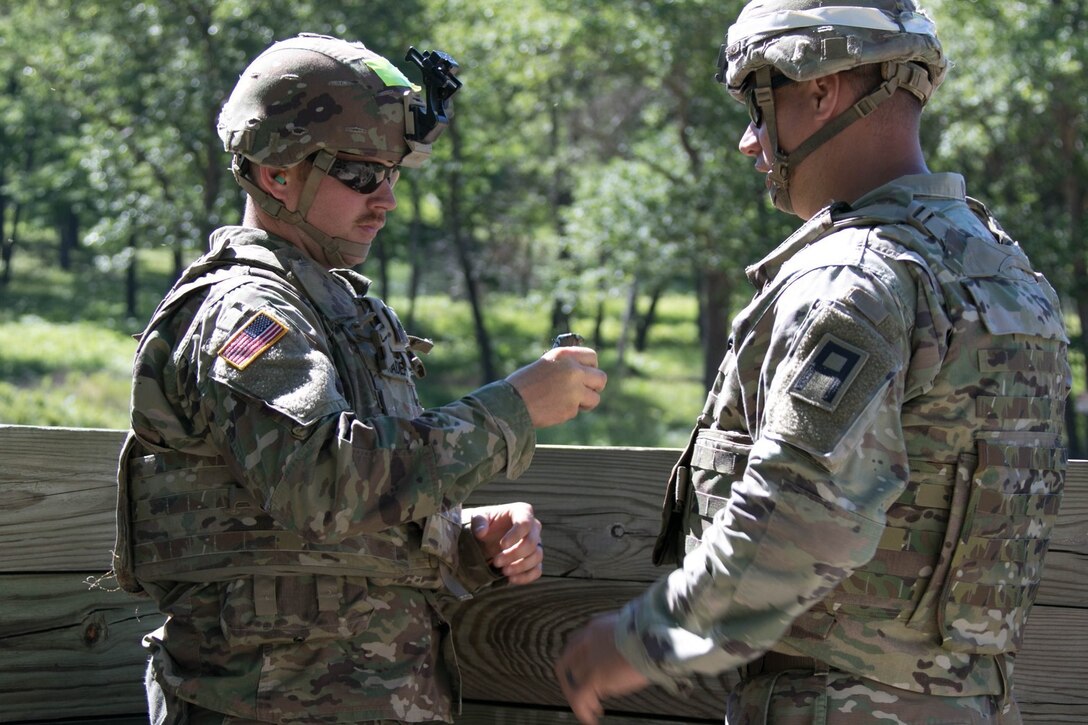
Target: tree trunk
x: 714, y: 321
x: 415, y: 248
x: 8, y: 242
x: 644, y: 322
x: 131, y: 281
x: 5, y: 253
x: 629, y: 315
x: 464, y: 256
x: 560, y: 317
x: 558, y: 196
x: 68, y: 228
x: 598, y: 325
x: 383, y: 270
x: 1075, y: 201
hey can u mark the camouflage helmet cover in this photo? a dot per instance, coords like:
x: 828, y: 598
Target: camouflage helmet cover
x: 316, y: 92
x: 805, y: 39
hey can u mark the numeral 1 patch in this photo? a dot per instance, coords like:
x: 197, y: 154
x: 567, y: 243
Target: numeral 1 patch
x: 828, y: 372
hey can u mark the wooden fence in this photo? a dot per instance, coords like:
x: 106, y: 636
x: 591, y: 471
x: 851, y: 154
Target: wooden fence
x: 71, y: 652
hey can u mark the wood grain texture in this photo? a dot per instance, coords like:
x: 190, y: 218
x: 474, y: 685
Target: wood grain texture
x: 69, y: 652
x: 57, y: 489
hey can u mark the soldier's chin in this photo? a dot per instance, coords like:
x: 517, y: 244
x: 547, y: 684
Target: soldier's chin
x: 353, y: 253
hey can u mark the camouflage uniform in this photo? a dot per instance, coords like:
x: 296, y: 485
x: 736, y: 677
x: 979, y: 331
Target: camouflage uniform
x: 865, y: 503
x: 282, y: 495
x: 273, y: 508
x: 870, y: 488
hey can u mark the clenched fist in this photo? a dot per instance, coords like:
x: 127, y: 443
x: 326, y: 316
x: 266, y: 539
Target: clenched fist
x: 563, y: 382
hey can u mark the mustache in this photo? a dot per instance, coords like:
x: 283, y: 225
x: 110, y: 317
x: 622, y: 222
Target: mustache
x: 371, y: 218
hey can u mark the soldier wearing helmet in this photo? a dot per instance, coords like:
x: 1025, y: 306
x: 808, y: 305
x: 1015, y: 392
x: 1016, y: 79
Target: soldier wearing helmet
x: 282, y: 495
x: 861, y: 516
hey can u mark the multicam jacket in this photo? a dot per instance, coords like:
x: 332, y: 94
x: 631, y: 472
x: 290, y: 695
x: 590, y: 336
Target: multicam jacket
x: 288, y: 503
x: 876, y: 471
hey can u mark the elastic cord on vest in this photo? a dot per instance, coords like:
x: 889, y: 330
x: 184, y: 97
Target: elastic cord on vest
x: 332, y: 246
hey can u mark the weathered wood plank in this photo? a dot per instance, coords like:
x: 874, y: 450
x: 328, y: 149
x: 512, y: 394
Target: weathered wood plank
x: 57, y: 488
x: 507, y: 649
x: 66, y: 652
x: 69, y: 651
x: 500, y: 640
x: 600, y: 507
x: 1051, y: 668
x: 475, y: 713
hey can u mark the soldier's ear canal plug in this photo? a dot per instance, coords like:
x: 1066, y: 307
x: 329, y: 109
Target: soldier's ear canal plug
x: 278, y: 178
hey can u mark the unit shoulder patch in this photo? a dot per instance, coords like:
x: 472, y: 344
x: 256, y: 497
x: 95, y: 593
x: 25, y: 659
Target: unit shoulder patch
x: 254, y: 339
x: 828, y: 371
x: 823, y: 394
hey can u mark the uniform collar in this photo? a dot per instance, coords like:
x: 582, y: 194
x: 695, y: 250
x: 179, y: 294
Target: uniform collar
x: 900, y: 192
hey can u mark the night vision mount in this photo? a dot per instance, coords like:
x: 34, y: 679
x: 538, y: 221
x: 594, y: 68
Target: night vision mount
x: 430, y: 119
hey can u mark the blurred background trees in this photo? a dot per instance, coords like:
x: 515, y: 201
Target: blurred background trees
x: 593, y: 158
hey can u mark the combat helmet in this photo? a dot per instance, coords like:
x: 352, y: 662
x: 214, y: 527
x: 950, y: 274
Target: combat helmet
x: 774, y: 41
x: 312, y: 97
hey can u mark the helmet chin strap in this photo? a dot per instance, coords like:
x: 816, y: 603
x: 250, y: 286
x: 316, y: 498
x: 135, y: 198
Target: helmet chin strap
x: 333, y: 247
x: 908, y: 76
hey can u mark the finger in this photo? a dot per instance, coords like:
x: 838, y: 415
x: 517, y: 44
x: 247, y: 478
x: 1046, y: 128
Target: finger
x: 528, y: 577
x: 480, y: 526
x: 524, y: 526
x: 519, y: 531
x: 529, y: 547
x: 586, y: 707
x: 590, y: 400
x: 583, y: 700
x: 583, y: 355
x: 526, y: 570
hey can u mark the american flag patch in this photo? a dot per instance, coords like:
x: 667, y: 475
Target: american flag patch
x: 246, y: 345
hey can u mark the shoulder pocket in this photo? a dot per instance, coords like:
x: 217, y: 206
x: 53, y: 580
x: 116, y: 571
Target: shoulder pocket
x: 1009, y: 306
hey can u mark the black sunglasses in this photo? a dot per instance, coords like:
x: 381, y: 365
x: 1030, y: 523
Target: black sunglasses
x: 755, y: 111
x: 363, y: 176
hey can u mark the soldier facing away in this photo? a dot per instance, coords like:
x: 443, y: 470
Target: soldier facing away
x: 863, y: 510
x: 283, y: 496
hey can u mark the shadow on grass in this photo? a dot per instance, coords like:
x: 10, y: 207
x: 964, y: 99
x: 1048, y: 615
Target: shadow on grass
x: 84, y: 293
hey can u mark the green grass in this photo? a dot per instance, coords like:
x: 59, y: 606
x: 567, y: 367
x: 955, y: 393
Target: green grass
x: 66, y: 349
x: 63, y: 374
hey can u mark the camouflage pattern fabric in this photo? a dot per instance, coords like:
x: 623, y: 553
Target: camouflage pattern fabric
x: 819, y: 47
x: 796, y: 697
x: 275, y: 404
x: 312, y: 92
x: 861, y: 487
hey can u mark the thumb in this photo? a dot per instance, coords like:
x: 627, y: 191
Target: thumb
x: 480, y: 526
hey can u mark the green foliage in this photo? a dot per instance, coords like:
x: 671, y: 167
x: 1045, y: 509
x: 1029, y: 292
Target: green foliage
x: 595, y: 154
x: 69, y: 365
x: 73, y: 375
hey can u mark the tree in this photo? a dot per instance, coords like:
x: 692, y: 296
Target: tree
x: 1019, y: 82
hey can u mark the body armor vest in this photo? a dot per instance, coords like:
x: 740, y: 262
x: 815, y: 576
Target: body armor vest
x: 962, y: 551
x: 237, y: 537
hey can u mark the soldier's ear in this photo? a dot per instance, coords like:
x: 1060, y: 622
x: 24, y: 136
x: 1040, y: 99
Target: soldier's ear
x: 273, y: 181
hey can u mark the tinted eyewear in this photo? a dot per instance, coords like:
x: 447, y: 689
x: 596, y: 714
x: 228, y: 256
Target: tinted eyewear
x: 363, y: 176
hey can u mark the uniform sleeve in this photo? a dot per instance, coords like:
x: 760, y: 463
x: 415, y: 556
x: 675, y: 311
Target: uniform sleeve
x: 266, y: 384
x: 827, y: 461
